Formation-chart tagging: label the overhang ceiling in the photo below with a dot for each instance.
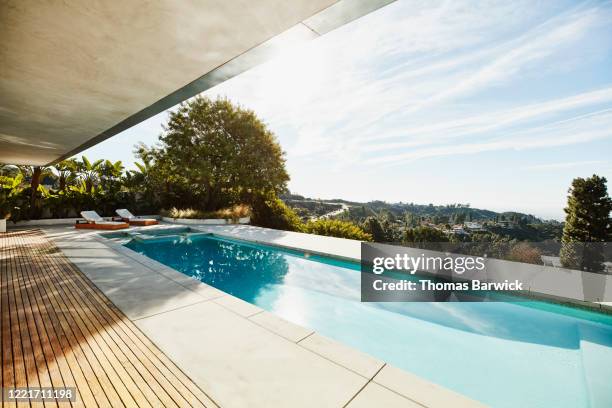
(75, 73)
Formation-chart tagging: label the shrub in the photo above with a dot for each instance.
(523, 252)
(232, 213)
(271, 212)
(337, 228)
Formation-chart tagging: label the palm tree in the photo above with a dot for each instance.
(35, 174)
(142, 183)
(66, 172)
(144, 172)
(89, 172)
(8, 170)
(110, 173)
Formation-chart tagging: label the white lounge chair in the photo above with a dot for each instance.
(94, 221)
(127, 216)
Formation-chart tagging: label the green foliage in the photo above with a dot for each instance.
(310, 208)
(89, 172)
(66, 173)
(588, 225)
(372, 226)
(424, 234)
(337, 228)
(232, 213)
(271, 212)
(213, 154)
(143, 186)
(10, 187)
(65, 189)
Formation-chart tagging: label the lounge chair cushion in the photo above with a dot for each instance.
(91, 216)
(125, 214)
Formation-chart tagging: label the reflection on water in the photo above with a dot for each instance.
(255, 273)
(550, 352)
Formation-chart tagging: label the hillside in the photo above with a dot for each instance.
(441, 213)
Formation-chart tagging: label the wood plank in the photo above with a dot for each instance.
(123, 350)
(116, 367)
(8, 375)
(82, 358)
(60, 365)
(152, 358)
(20, 379)
(58, 330)
(94, 373)
(32, 347)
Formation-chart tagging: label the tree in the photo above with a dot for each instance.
(213, 154)
(460, 218)
(35, 174)
(372, 226)
(143, 185)
(424, 235)
(66, 173)
(412, 220)
(89, 172)
(587, 224)
(110, 174)
(426, 238)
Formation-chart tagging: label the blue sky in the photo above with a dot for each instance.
(496, 104)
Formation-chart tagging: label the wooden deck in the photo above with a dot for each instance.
(59, 330)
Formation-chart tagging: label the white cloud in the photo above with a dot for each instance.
(402, 72)
(581, 129)
(488, 121)
(562, 165)
(554, 35)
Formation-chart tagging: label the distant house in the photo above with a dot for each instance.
(458, 230)
(474, 226)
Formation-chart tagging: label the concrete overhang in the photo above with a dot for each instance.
(75, 73)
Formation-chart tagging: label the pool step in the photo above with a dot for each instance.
(152, 238)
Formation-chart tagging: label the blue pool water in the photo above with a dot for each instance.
(525, 354)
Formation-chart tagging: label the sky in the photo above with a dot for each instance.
(496, 104)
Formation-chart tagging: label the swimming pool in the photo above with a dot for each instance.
(527, 354)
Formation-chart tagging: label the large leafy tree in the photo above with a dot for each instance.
(588, 226)
(213, 153)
